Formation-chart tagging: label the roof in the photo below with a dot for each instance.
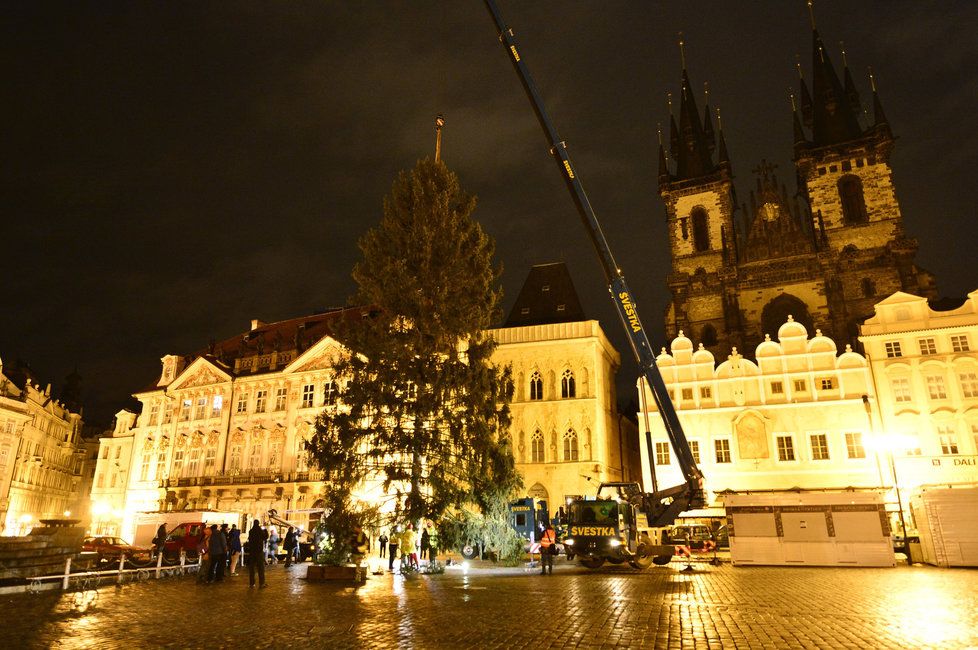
(548, 296)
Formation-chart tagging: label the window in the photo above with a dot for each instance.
(893, 349)
(281, 395)
(160, 465)
(256, 451)
(308, 392)
(687, 393)
(114, 479)
(969, 384)
(701, 230)
(706, 393)
(854, 445)
(201, 409)
(329, 393)
(185, 410)
(901, 389)
(154, 413)
(820, 446)
(105, 452)
(570, 445)
(567, 387)
(851, 195)
(974, 435)
(144, 465)
(536, 386)
(100, 481)
(949, 439)
(536, 447)
(234, 458)
(118, 451)
(177, 463)
(216, 405)
(210, 460)
(721, 448)
(662, 453)
(242, 406)
(800, 386)
(786, 448)
(927, 346)
(935, 387)
(826, 383)
(959, 343)
(260, 398)
(193, 462)
(168, 413)
(694, 448)
(275, 454)
(777, 387)
(868, 287)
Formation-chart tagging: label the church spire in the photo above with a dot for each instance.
(879, 117)
(663, 165)
(722, 157)
(799, 134)
(833, 119)
(850, 88)
(693, 153)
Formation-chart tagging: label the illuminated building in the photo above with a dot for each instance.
(41, 452)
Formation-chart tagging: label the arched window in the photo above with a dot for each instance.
(567, 387)
(536, 386)
(869, 288)
(701, 230)
(254, 461)
(570, 445)
(708, 335)
(536, 447)
(775, 314)
(853, 203)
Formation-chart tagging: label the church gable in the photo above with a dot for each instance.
(325, 354)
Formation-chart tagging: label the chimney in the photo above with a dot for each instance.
(255, 324)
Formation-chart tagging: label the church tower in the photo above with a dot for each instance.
(844, 173)
(699, 198)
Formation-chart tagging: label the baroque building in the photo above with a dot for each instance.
(824, 253)
(42, 453)
(223, 429)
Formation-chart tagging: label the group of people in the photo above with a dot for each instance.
(408, 542)
(220, 550)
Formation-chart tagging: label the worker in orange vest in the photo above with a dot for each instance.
(548, 549)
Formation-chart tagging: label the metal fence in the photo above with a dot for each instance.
(87, 580)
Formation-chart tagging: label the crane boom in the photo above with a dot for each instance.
(664, 505)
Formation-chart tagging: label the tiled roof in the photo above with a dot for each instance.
(548, 296)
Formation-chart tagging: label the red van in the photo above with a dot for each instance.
(187, 537)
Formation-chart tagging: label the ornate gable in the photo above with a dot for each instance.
(322, 356)
(200, 373)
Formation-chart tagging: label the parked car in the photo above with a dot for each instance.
(186, 537)
(108, 550)
(695, 536)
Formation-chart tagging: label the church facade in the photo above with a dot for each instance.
(823, 254)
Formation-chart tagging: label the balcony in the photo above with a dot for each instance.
(244, 477)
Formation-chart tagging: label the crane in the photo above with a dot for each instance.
(657, 508)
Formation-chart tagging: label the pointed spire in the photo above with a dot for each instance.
(850, 88)
(673, 131)
(807, 112)
(722, 157)
(708, 119)
(693, 154)
(879, 117)
(834, 121)
(799, 132)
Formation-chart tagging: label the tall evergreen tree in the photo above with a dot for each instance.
(424, 408)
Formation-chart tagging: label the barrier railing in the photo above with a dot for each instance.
(86, 580)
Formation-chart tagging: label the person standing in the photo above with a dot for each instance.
(392, 549)
(203, 552)
(382, 541)
(548, 549)
(409, 545)
(273, 540)
(217, 550)
(289, 546)
(432, 544)
(159, 542)
(256, 554)
(234, 546)
(425, 542)
(359, 544)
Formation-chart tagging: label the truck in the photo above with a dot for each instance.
(634, 520)
(185, 529)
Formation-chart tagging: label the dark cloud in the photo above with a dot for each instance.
(172, 170)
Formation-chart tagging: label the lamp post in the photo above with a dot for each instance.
(880, 444)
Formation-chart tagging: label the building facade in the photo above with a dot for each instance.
(792, 418)
(925, 365)
(41, 453)
(824, 253)
(223, 429)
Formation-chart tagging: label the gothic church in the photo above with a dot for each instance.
(823, 255)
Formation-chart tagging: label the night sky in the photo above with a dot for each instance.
(172, 170)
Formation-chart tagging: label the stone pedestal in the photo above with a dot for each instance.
(346, 573)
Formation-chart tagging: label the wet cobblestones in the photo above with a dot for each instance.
(716, 607)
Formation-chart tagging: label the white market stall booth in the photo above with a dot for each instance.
(809, 528)
(947, 520)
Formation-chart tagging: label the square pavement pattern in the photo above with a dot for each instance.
(715, 607)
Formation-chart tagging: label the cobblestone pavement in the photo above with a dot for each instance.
(715, 607)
